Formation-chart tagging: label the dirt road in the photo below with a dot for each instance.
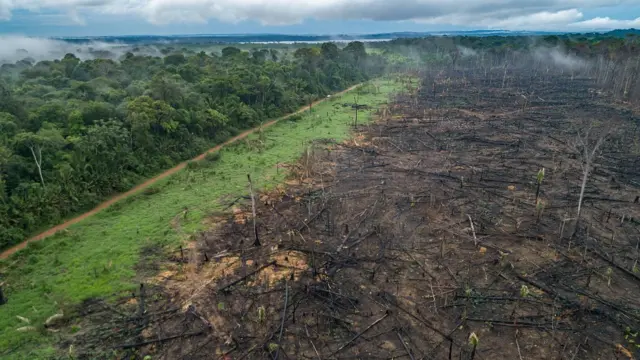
(151, 181)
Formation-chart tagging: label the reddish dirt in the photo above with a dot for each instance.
(5, 254)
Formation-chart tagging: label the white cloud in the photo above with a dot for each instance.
(543, 20)
(540, 20)
(606, 23)
(507, 14)
(5, 9)
(75, 17)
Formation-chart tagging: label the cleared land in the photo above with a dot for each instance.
(421, 230)
(102, 255)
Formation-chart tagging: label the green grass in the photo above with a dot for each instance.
(97, 257)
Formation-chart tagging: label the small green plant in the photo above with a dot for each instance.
(631, 337)
(220, 306)
(273, 347)
(503, 258)
(473, 341)
(262, 314)
(524, 292)
(468, 291)
(539, 208)
(609, 274)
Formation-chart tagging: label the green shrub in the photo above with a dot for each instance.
(193, 165)
(213, 156)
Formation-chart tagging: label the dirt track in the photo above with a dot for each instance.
(5, 254)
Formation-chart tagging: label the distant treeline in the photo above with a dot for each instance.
(268, 38)
(74, 132)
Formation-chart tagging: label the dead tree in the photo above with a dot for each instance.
(256, 241)
(588, 146)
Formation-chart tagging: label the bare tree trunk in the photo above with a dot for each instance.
(38, 161)
(585, 176)
(3, 300)
(588, 156)
(256, 242)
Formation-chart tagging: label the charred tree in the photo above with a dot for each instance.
(256, 241)
(588, 147)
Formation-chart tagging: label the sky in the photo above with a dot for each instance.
(167, 17)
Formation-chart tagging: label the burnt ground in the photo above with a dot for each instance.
(420, 230)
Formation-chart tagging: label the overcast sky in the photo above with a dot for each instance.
(131, 17)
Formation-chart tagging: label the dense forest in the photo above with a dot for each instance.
(74, 132)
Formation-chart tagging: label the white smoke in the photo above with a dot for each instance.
(466, 52)
(559, 58)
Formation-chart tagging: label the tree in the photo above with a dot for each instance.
(165, 87)
(260, 56)
(330, 51)
(588, 143)
(175, 59)
(103, 154)
(230, 51)
(264, 84)
(48, 139)
(144, 114)
(5, 157)
(357, 50)
(307, 54)
(8, 127)
(68, 64)
(274, 54)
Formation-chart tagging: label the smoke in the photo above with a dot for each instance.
(16, 48)
(559, 58)
(466, 52)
